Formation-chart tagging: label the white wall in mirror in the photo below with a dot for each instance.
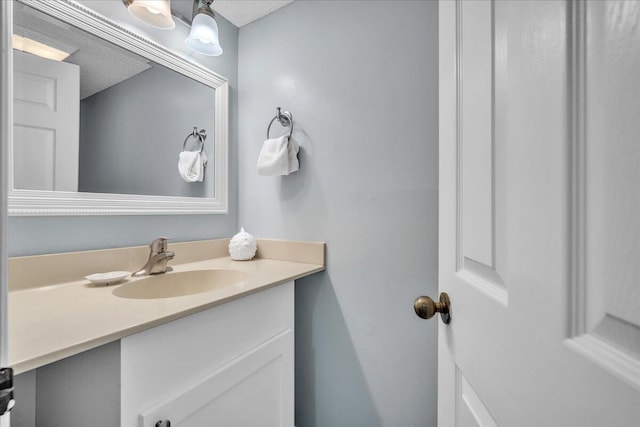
(24, 202)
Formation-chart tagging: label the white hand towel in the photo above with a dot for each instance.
(279, 156)
(191, 165)
(293, 150)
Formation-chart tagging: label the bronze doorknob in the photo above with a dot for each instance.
(425, 307)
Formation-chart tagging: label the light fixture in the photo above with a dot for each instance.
(156, 13)
(37, 48)
(203, 37)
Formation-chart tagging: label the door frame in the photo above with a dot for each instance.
(6, 134)
(447, 177)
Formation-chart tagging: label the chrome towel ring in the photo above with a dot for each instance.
(285, 119)
(199, 135)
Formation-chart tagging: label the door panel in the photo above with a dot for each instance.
(34, 158)
(476, 101)
(606, 305)
(475, 142)
(537, 252)
(471, 411)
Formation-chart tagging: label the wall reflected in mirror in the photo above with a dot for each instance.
(90, 116)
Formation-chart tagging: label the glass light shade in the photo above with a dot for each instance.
(156, 13)
(204, 35)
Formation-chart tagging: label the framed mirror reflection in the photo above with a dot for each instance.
(108, 122)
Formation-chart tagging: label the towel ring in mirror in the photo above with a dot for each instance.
(199, 135)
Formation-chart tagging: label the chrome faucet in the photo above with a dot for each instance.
(158, 258)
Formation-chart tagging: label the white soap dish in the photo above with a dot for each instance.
(108, 278)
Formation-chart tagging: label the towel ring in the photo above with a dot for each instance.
(285, 119)
(200, 135)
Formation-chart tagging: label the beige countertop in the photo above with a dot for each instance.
(52, 316)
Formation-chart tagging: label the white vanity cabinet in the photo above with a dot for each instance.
(231, 365)
(97, 357)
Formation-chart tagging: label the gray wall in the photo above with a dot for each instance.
(132, 132)
(24, 413)
(88, 382)
(361, 81)
(39, 235)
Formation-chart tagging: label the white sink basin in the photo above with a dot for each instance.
(177, 284)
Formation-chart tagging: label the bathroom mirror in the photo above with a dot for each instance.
(101, 115)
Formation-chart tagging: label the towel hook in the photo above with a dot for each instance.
(200, 135)
(285, 119)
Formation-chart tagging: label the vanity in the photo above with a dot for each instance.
(214, 338)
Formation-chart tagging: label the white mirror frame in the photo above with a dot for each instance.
(59, 203)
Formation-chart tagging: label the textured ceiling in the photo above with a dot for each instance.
(238, 12)
(102, 64)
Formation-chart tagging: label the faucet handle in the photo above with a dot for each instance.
(159, 244)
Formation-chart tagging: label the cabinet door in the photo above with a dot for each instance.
(231, 365)
(247, 391)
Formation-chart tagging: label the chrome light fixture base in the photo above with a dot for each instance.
(205, 8)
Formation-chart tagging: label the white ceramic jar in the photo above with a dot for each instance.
(242, 246)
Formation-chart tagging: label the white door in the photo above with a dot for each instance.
(540, 213)
(46, 123)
